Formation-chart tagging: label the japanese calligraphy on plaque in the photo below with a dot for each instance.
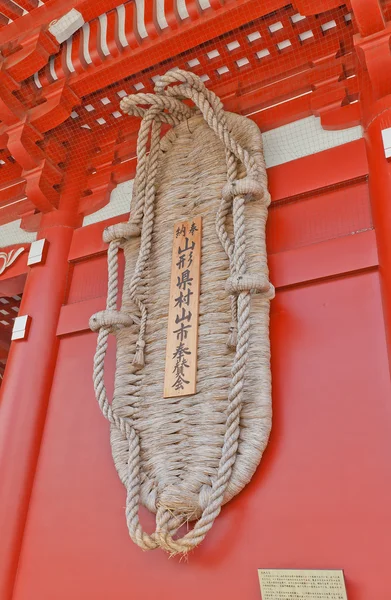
(182, 334)
(293, 584)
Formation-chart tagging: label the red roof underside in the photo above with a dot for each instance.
(260, 57)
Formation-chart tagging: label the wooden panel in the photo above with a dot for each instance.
(182, 332)
(88, 279)
(332, 213)
(332, 258)
(306, 506)
(331, 167)
(327, 259)
(75, 317)
(88, 240)
(330, 403)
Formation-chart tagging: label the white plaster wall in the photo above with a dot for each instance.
(10, 233)
(119, 204)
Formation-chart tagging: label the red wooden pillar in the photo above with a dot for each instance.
(30, 368)
(380, 192)
(373, 49)
(25, 393)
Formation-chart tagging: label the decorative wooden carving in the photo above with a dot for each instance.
(8, 258)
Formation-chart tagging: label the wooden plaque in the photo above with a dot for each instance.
(295, 584)
(182, 334)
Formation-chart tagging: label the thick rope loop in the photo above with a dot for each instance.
(239, 285)
(121, 232)
(258, 284)
(213, 113)
(246, 187)
(112, 319)
(133, 105)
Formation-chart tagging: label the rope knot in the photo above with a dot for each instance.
(247, 187)
(177, 499)
(111, 319)
(120, 231)
(258, 284)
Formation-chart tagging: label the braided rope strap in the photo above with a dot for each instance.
(166, 107)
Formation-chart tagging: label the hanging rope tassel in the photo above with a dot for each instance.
(139, 359)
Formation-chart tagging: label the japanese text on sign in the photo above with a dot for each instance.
(182, 334)
(286, 584)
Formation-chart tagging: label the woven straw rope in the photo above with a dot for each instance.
(183, 458)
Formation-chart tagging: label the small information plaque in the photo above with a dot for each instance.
(294, 584)
(182, 334)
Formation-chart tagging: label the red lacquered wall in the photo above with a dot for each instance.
(321, 497)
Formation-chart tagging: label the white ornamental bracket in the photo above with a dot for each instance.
(21, 327)
(38, 252)
(67, 25)
(386, 135)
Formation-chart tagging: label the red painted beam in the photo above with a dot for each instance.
(90, 10)
(3, 351)
(10, 10)
(11, 191)
(8, 173)
(331, 258)
(5, 337)
(28, 5)
(15, 210)
(315, 7)
(305, 175)
(369, 16)
(42, 16)
(374, 53)
(15, 284)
